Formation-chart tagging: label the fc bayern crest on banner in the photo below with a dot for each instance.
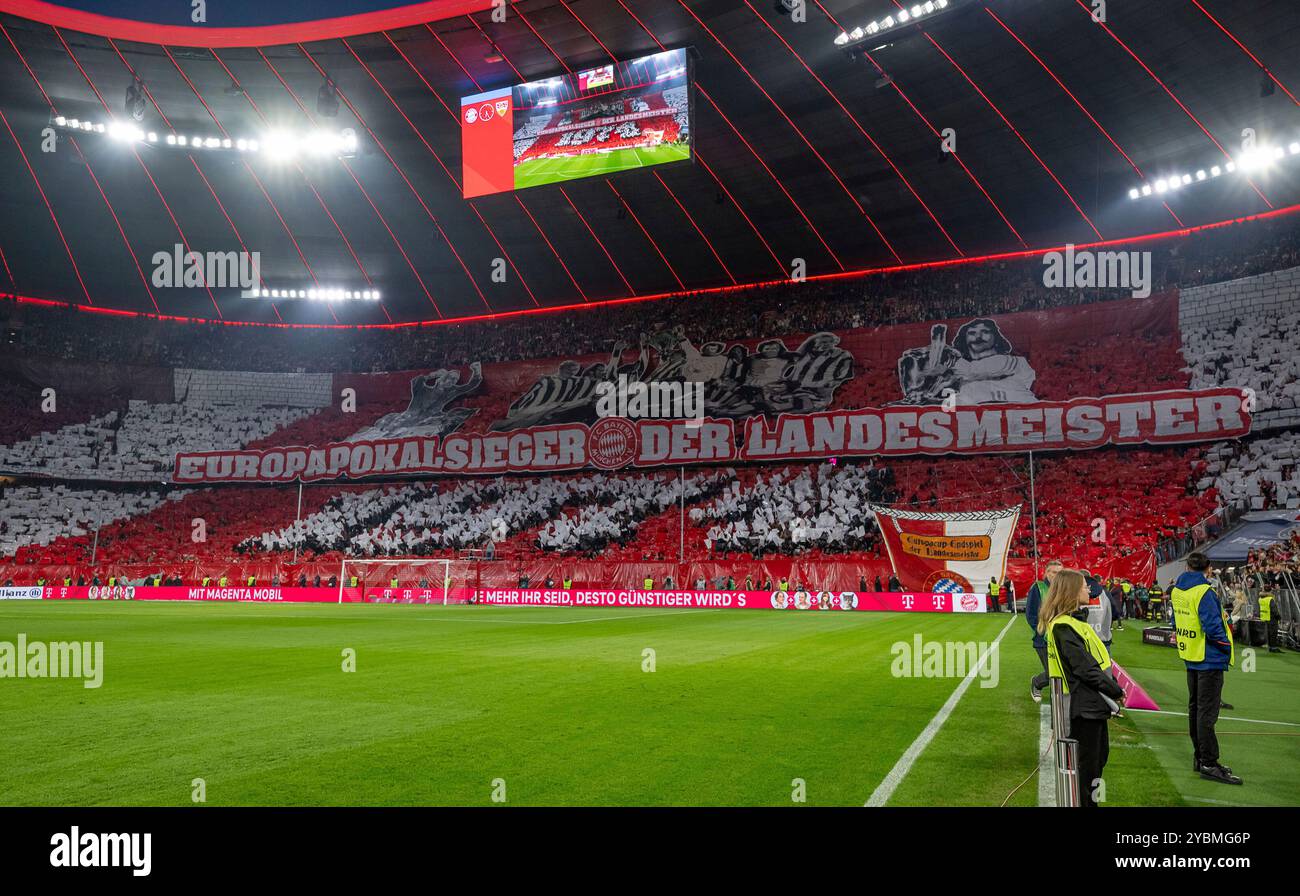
(612, 443)
(945, 581)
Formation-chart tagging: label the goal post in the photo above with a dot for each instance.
(400, 579)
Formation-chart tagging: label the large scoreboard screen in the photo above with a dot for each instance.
(618, 117)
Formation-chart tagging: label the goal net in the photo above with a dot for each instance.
(402, 580)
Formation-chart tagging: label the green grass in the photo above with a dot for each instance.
(252, 699)
(537, 172)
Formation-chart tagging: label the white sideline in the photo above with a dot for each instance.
(886, 789)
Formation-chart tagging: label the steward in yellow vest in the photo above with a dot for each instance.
(1206, 648)
(648, 584)
(1091, 641)
(1266, 608)
(1077, 657)
(1204, 641)
(1269, 618)
(568, 584)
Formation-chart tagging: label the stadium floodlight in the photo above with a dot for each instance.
(314, 294)
(1134, 193)
(1257, 159)
(280, 144)
(907, 15)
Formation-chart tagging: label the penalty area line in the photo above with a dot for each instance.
(903, 766)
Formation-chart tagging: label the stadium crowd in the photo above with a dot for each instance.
(783, 309)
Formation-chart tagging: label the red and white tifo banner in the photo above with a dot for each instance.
(612, 443)
(731, 600)
(949, 552)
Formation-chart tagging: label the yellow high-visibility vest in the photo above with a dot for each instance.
(222, 581)
(784, 586)
(353, 581)
(994, 587)
(1266, 608)
(1090, 640)
(1186, 603)
(568, 583)
(649, 583)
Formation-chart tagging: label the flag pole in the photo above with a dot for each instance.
(1033, 512)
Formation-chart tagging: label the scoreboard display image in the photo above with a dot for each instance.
(619, 117)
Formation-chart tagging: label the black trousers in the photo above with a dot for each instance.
(1272, 633)
(1204, 694)
(1041, 680)
(1093, 736)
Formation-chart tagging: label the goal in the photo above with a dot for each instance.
(402, 580)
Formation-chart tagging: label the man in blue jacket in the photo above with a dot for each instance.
(1205, 646)
(1033, 602)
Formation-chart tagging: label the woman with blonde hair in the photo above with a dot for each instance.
(1077, 656)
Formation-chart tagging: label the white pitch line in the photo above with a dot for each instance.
(882, 793)
(1046, 758)
(1206, 799)
(1168, 712)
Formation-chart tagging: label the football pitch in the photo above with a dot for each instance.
(549, 706)
(537, 172)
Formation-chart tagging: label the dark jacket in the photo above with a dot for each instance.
(1086, 679)
(1211, 613)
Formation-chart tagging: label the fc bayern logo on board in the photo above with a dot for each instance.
(611, 443)
(945, 581)
(471, 115)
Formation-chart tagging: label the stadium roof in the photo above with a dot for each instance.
(804, 152)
